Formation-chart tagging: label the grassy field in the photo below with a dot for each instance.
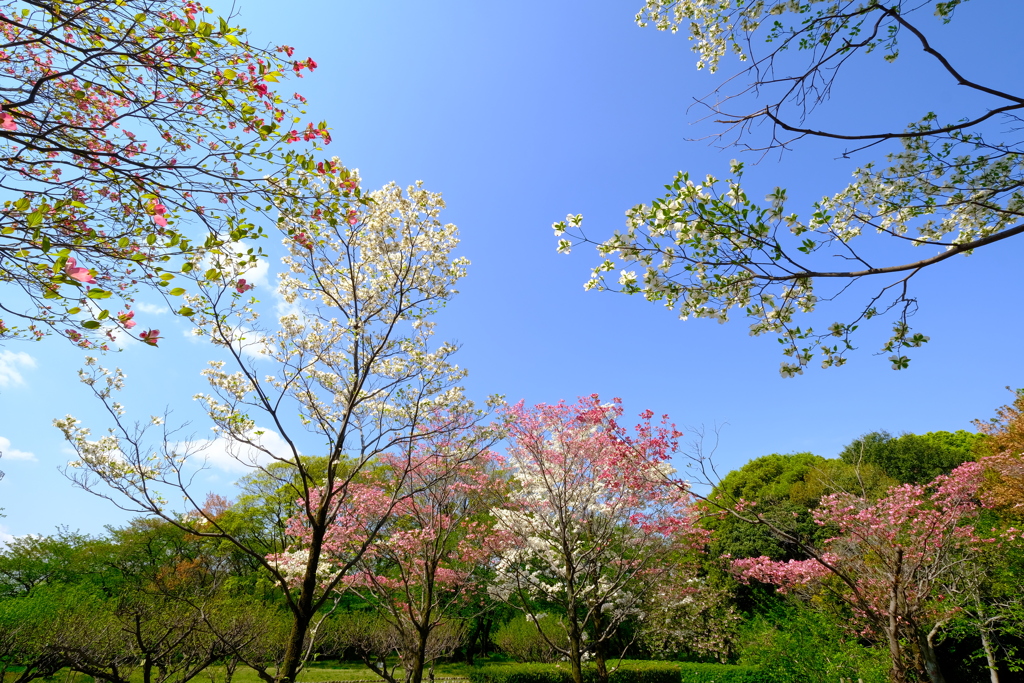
(317, 672)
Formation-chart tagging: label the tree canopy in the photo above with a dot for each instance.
(912, 458)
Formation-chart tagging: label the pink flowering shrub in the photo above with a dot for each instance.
(895, 562)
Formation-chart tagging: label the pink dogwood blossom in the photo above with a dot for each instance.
(75, 272)
(157, 210)
(892, 561)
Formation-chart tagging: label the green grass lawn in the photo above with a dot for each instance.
(316, 672)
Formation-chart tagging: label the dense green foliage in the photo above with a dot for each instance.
(793, 643)
(912, 458)
(627, 672)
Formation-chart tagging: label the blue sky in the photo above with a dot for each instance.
(521, 113)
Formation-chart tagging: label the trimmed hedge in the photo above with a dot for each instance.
(639, 672)
(627, 672)
(721, 673)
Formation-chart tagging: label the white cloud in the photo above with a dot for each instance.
(5, 536)
(230, 456)
(13, 453)
(257, 275)
(11, 364)
(150, 309)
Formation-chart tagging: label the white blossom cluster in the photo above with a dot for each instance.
(705, 248)
(352, 358)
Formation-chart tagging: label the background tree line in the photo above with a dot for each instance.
(462, 569)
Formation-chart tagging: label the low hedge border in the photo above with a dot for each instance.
(627, 672)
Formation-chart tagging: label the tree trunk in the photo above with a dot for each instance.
(600, 656)
(928, 659)
(990, 655)
(296, 639)
(898, 672)
(575, 652)
(303, 610)
(471, 641)
(415, 675)
(485, 637)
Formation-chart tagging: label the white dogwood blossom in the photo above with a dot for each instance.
(350, 374)
(706, 249)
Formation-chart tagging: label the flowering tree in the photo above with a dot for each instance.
(896, 563)
(423, 564)
(350, 372)
(706, 247)
(684, 614)
(1004, 446)
(122, 123)
(595, 516)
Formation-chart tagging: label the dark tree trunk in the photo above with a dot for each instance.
(303, 610)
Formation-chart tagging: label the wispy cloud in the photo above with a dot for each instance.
(9, 453)
(11, 366)
(230, 456)
(150, 309)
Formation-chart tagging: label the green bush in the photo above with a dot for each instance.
(627, 672)
(721, 673)
(640, 672)
(792, 643)
(521, 640)
(522, 673)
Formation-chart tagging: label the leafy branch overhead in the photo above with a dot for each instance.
(131, 132)
(707, 248)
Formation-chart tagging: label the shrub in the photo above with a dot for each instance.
(723, 673)
(521, 640)
(521, 673)
(627, 672)
(796, 644)
(640, 672)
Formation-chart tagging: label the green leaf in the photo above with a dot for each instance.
(185, 310)
(98, 294)
(90, 324)
(177, 291)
